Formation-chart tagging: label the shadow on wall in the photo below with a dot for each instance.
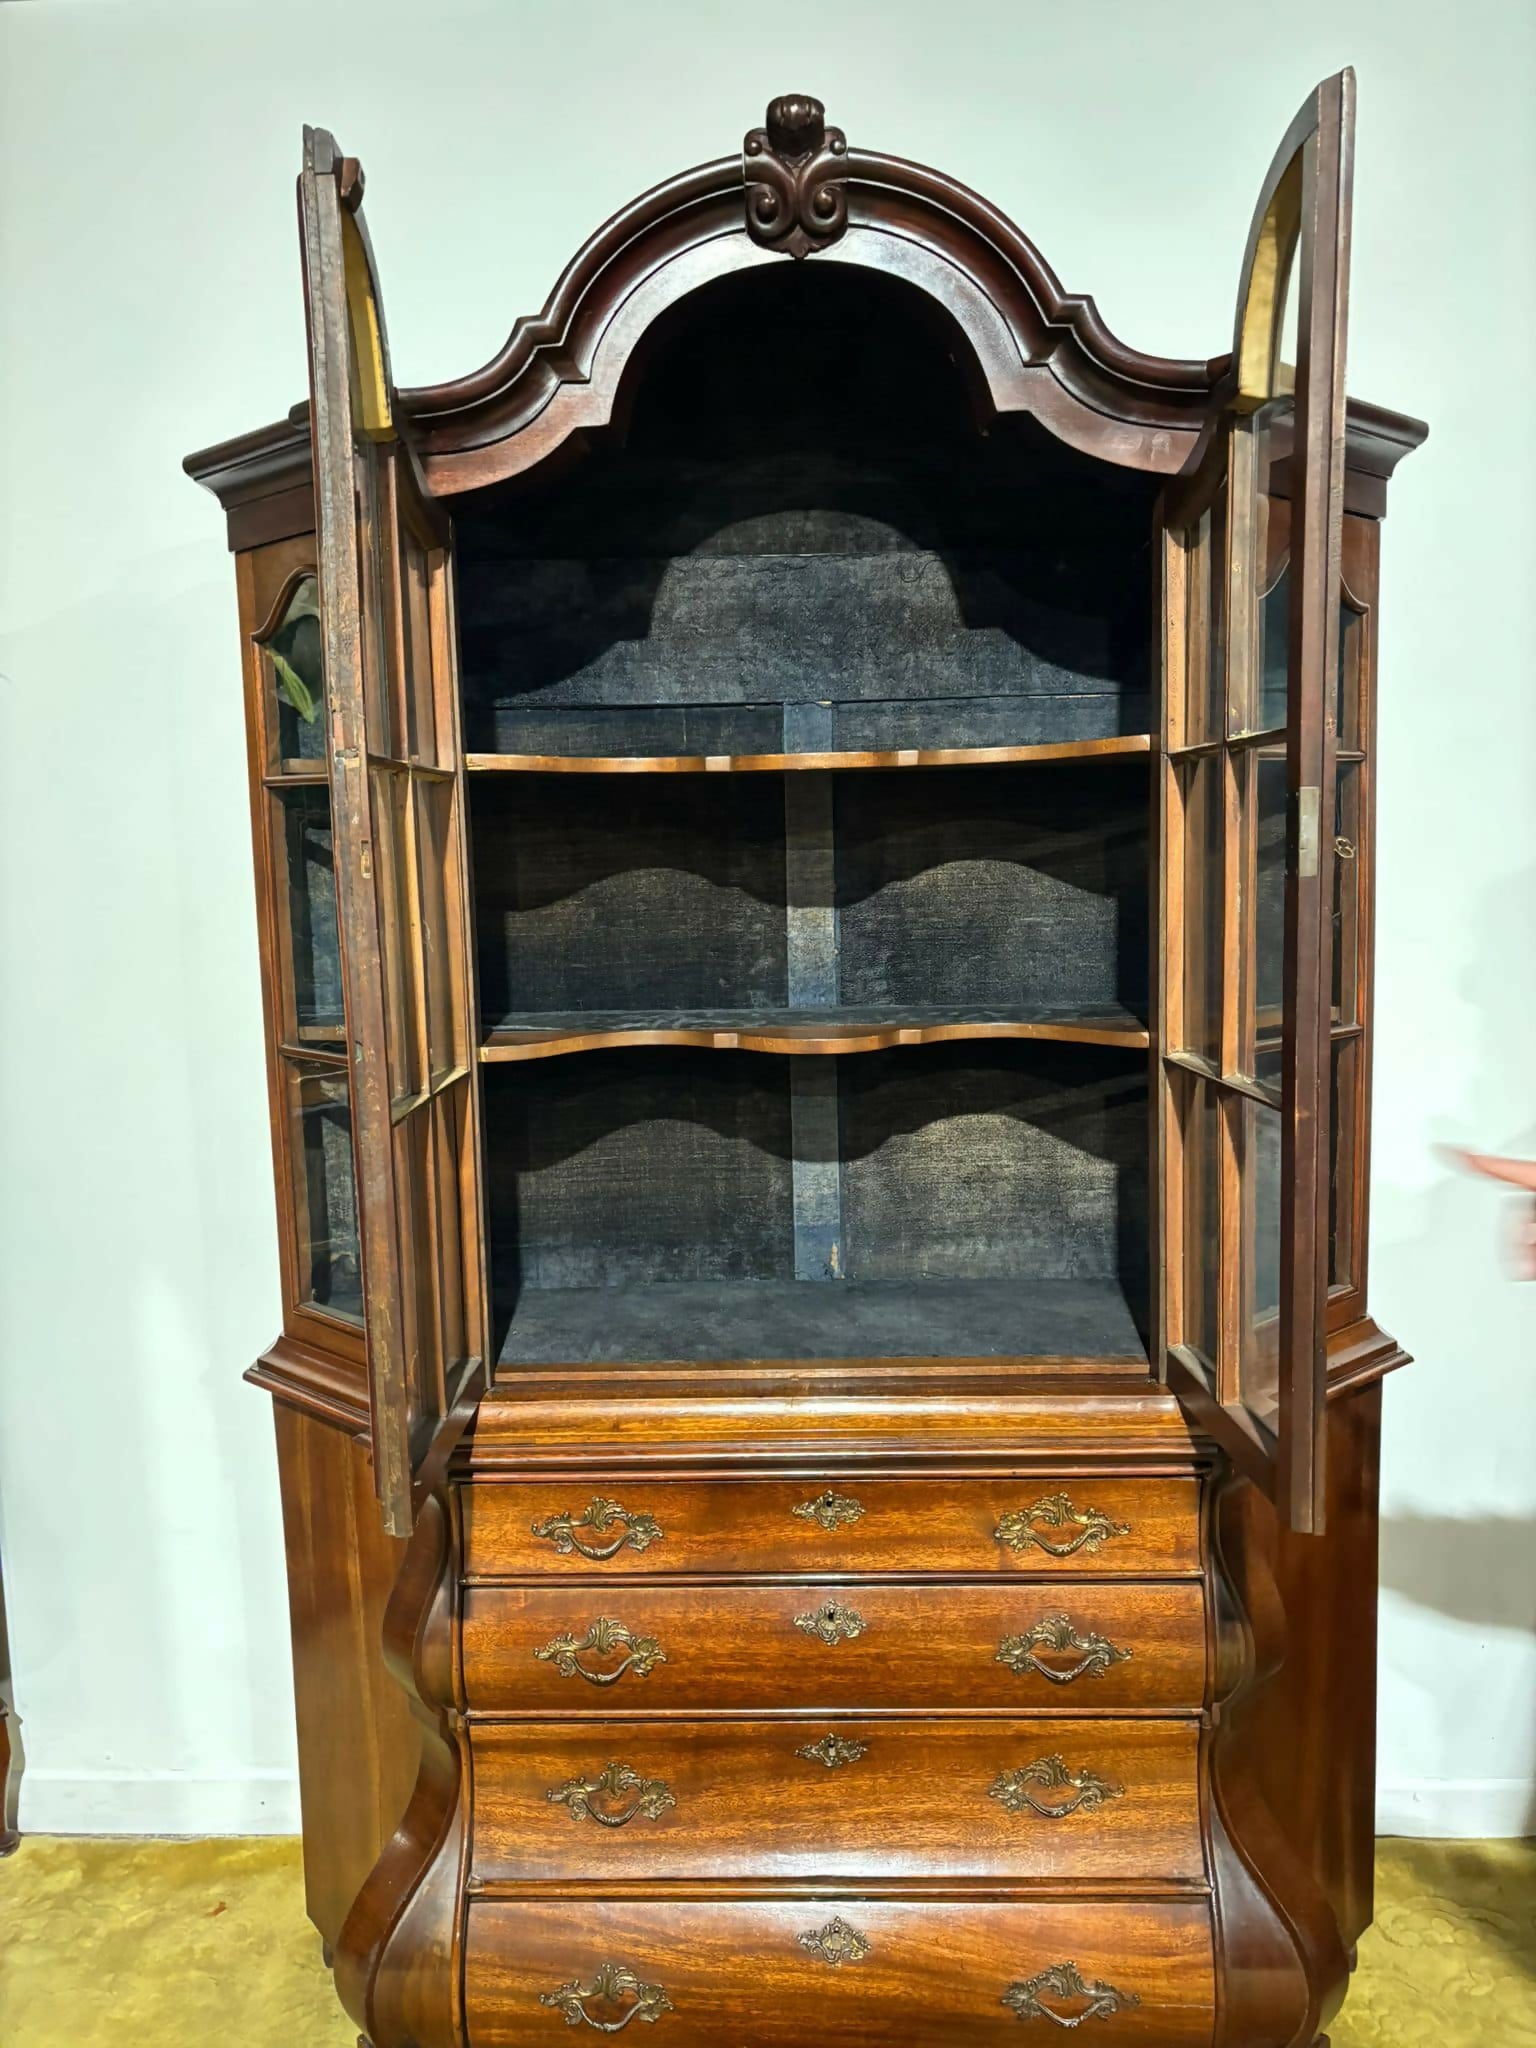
(1480, 1570)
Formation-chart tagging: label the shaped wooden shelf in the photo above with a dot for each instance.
(541, 1035)
(1119, 746)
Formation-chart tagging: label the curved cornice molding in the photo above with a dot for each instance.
(1036, 347)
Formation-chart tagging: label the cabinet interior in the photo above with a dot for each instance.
(801, 549)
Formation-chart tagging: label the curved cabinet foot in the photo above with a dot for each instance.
(397, 1956)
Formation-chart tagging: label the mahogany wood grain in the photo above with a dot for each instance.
(1067, 1418)
(840, 1799)
(751, 1646)
(358, 1744)
(934, 1975)
(1312, 1732)
(937, 1525)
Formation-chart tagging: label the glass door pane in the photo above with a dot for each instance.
(1261, 939)
(324, 1189)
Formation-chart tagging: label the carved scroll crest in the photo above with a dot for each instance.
(797, 178)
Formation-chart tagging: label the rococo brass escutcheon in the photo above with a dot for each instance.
(604, 1636)
(1066, 1984)
(639, 1532)
(1020, 1530)
(836, 1943)
(834, 1751)
(652, 1796)
(1094, 1653)
(611, 1982)
(829, 1511)
(832, 1622)
(1088, 1791)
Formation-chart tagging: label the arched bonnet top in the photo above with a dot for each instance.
(798, 192)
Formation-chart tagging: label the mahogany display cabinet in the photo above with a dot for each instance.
(813, 828)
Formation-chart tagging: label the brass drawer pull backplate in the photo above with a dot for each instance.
(1095, 1653)
(604, 1636)
(611, 1982)
(836, 1943)
(834, 1751)
(1020, 1530)
(1013, 1789)
(639, 1532)
(832, 1622)
(652, 1796)
(1066, 1985)
(829, 1511)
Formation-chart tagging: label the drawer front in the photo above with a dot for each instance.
(1038, 1800)
(1092, 1527)
(808, 1973)
(570, 1650)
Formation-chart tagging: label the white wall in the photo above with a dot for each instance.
(149, 281)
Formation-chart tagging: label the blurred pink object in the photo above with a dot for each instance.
(1514, 1173)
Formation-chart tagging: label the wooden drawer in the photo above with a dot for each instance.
(521, 1529)
(1038, 1800)
(567, 1649)
(813, 1972)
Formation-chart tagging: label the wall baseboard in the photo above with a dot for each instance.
(159, 1803)
(1466, 1809)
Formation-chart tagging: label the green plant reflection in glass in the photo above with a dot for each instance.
(298, 675)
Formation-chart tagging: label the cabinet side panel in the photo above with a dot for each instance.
(359, 1747)
(1314, 1724)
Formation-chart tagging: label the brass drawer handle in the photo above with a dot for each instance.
(1018, 1530)
(1066, 1983)
(834, 1751)
(836, 1943)
(829, 1511)
(1089, 1791)
(1095, 1653)
(605, 1635)
(833, 1623)
(611, 1982)
(638, 1531)
(652, 1796)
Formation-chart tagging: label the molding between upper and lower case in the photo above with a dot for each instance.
(323, 1387)
(554, 1421)
(1360, 1355)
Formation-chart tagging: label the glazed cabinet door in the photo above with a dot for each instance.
(1252, 579)
(385, 602)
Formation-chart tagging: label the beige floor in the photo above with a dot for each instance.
(120, 1944)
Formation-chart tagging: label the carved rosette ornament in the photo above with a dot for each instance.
(796, 173)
